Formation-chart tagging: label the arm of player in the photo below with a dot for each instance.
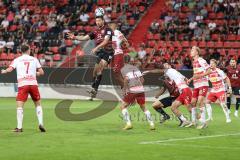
(8, 70)
(79, 38)
(227, 80)
(160, 92)
(202, 75)
(101, 45)
(40, 72)
(161, 71)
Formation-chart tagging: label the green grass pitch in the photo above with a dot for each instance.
(103, 138)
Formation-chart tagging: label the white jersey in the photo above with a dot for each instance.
(177, 77)
(26, 67)
(217, 78)
(117, 39)
(133, 75)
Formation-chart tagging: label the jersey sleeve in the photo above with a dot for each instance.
(222, 74)
(13, 64)
(91, 35)
(108, 33)
(204, 63)
(38, 63)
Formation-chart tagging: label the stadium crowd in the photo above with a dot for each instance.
(213, 25)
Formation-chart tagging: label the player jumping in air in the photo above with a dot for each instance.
(185, 96)
(118, 40)
(27, 68)
(201, 85)
(104, 51)
(218, 92)
(134, 91)
(159, 104)
(233, 72)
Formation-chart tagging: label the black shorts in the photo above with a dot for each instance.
(236, 90)
(167, 101)
(105, 55)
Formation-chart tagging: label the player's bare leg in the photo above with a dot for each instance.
(39, 113)
(193, 112)
(202, 119)
(20, 105)
(119, 79)
(180, 116)
(126, 116)
(148, 116)
(225, 110)
(158, 106)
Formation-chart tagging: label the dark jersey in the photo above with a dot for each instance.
(234, 76)
(171, 87)
(99, 34)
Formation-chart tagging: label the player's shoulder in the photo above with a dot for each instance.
(200, 59)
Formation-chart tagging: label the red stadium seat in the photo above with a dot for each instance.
(220, 15)
(202, 44)
(149, 36)
(185, 44)
(100, 2)
(215, 37)
(149, 50)
(227, 44)
(54, 49)
(132, 22)
(79, 28)
(238, 38)
(177, 44)
(141, 8)
(194, 43)
(223, 52)
(235, 44)
(212, 15)
(3, 56)
(232, 52)
(231, 37)
(219, 44)
(156, 36)
(68, 42)
(210, 44)
(151, 44)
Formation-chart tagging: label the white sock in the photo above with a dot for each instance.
(194, 112)
(149, 117)
(209, 110)
(39, 113)
(225, 110)
(202, 114)
(182, 118)
(19, 117)
(126, 116)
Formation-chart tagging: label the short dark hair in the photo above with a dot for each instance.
(25, 48)
(127, 59)
(214, 60)
(99, 17)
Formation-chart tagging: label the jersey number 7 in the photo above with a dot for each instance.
(27, 66)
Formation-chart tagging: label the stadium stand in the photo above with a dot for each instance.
(213, 25)
(43, 24)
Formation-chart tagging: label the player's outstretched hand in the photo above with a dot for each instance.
(145, 73)
(94, 50)
(70, 35)
(230, 90)
(3, 71)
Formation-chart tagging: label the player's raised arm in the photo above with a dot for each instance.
(161, 71)
(40, 72)
(79, 38)
(160, 92)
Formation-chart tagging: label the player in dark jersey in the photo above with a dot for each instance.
(158, 105)
(233, 72)
(103, 50)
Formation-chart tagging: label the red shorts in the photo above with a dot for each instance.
(221, 96)
(130, 98)
(185, 97)
(117, 63)
(201, 91)
(25, 90)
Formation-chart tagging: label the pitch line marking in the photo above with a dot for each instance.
(189, 138)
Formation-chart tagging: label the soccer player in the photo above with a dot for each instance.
(201, 85)
(118, 39)
(158, 105)
(233, 72)
(27, 68)
(185, 96)
(218, 92)
(104, 50)
(134, 91)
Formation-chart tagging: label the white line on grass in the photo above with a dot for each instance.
(189, 138)
(199, 146)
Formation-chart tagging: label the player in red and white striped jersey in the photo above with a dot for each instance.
(218, 92)
(27, 68)
(118, 39)
(134, 91)
(200, 66)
